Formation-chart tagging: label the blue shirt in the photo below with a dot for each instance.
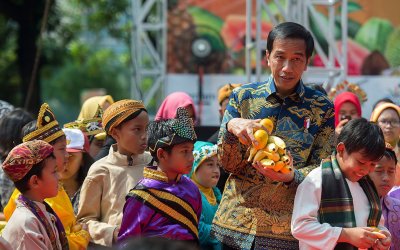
(254, 207)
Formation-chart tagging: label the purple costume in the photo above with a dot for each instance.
(391, 213)
(158, 208)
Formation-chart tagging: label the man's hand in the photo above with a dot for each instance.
(243, 129)
(276, 176)
(383, 244)
(361, 237)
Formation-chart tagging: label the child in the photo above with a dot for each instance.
(165, 203)
(46, 128)
(109, 179)
(34, 225)
(336, 205)
(384, 177)
(77, 167)
(205, 174)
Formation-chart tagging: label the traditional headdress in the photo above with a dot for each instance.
(226, 90)
(119, 111)
(77, 141)
(47, 128)
(89, 126)
(182, 127)
(345, 86)
(89, 107)
(202, 151)
(21, 158)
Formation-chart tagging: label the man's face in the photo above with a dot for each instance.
(287, 61)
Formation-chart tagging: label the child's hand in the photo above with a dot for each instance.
(383, 244)
(361, 237)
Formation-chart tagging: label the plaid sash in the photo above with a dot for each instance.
(336, 206)
(169, 205)
(42, 218)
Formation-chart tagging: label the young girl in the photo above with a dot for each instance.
(347, 106)
(109, 179)
(168, 108)
(77, 167)
(165, 203)
(46, 128)
(383, 177)
(205, 174)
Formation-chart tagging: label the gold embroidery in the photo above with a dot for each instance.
(170, 197)
(154, 174)
(167, 209)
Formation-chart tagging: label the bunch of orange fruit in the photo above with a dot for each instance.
(270, 150)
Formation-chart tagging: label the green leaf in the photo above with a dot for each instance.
(351, 7)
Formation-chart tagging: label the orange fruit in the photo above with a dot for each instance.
(261, 137)
(268, 124)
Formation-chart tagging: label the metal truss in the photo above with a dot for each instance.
(149, 41)
(300, 11)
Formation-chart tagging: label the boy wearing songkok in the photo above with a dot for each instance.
(34, 224)
(109, 179)
(337, 205)
(165, 203)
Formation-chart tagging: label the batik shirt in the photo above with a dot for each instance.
(254, 207)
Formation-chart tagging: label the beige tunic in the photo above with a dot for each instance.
(103, 193)
(25, 231)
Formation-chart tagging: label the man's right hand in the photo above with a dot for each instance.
(243, 129)
(361, 237)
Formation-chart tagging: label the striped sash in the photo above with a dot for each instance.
(170, 206)
(336, 206)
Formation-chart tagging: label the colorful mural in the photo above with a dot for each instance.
(373, 30)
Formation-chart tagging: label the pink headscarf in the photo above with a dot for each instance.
(171, 103)
(342, 98)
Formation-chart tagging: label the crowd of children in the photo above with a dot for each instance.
(113, 179)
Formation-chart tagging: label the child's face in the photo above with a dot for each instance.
(180, 160)
(72, 167)
(383, 175)
(208, 172)
(60, 152)
(95, 147)
(131, 136)
(355, 166)
(47, 184)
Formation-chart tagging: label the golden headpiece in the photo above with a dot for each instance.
(119, 111)
(345, 86)
(226, 90)
(47, 128)
(91, 126)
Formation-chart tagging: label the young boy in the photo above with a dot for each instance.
(109, 179)
(384, 176)
(46, 128)
(165, 203)
(205, 174)
(336, 205)
(34, 225)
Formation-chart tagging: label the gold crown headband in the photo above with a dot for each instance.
(345, 86)
(47, 128)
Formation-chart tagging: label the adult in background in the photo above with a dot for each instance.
(347, 107)
(172, 102)
(223, 98)
(256, 207)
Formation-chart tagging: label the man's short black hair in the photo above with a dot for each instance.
(290, 30)
(360, 135)
(23, 184)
